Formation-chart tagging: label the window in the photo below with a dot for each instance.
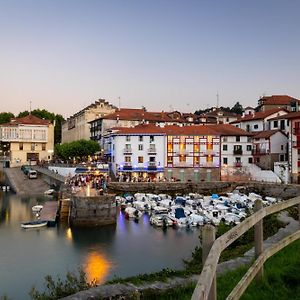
(249, 147)
(225, 148)
(127, 158)
(20, 146)
(43, 147)
(170, 159)
(151, 138)
(250, 160)
(140, 159)
(275, 124)
(281, 157)
(237, 138)
(152, 158)
(140, 138)
(224, 138)
(140, 147)
(182, 158)
(32, 146)
(255, 126)
(127, 138)
(281, 147)
(249, 139)
(225, 160)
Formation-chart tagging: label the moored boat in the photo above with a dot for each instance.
(37, 208)
(34, 224)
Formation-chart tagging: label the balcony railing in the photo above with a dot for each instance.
(127, 151)
(152, 165)
(260, 151)
(237, 151)
(238, 164)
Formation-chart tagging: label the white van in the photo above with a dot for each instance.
(32, 174)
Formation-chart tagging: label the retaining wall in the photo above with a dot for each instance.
(93, 211)
(266, 189)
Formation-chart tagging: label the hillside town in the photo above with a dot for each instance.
(139, 145)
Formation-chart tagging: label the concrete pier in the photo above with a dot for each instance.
(93, 211)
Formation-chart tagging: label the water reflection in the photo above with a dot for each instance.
(96, 266)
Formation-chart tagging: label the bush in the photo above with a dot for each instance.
(62, 288)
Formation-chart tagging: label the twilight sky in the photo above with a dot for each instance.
(64, 54)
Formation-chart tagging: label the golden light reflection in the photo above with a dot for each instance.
(69, 234)
(96, 267)
(88, 191)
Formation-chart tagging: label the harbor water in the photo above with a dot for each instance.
(129, 248)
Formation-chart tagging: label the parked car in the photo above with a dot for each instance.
(25, 169)
(32, 174)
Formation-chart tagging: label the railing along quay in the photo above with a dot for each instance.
(212, 249)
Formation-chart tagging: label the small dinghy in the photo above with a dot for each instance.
(37, 208)
(49, 192)
(34, 224)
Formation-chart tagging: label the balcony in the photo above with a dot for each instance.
(152, 165)
(152, 151)
(238, 151)
(127, 166)
(183, 165)
(127, 151)
(238, 164)
(260, 151)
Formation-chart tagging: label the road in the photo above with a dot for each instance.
(21, 184)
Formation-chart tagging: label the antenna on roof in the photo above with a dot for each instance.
(119, 103)
(30, 107)
(217, 99)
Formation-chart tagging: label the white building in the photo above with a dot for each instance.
(27, 140)
(259, 120)
(180, 152)
(269, 146)
(138, 152)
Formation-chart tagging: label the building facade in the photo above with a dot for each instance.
(27, 140)
(77, 127)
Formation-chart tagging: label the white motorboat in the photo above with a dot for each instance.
(37, 208)
(49, 192)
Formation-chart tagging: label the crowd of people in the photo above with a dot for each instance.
(129, 178)
(82, 181)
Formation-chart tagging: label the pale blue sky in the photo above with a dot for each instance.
(64, 54)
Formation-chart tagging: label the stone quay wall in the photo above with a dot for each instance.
(282, 191)
(93, 211)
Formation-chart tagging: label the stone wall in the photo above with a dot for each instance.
(93, 211)
(268, 189)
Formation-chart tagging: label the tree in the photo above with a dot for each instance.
(79, 149)
(237, 108)
(5, 117)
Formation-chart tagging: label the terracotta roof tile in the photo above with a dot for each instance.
(259, 115)
(277, 100)
(27, 120)
(266, 133)
(220, 129)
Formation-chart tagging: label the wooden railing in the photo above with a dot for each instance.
(206, 285)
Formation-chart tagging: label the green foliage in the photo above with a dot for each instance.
(62, 288)
(162, 275)
(237, 108)
(5, 117)
(78, 149)
(54, 118)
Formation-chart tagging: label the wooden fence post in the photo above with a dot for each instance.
(208, 238)
(258, 237)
